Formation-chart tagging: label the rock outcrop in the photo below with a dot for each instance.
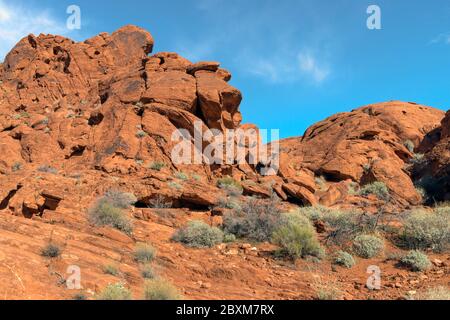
(372, 143)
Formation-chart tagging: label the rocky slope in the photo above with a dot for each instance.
(79, 119)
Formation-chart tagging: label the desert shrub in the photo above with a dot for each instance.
(141, 134)
(409, 145)
(48, 169)
(181, 175)
(197, 234)
(144, 253)
(229, 238)
(437, 293)
(147, 272)
(344, 226)
(175, 185)
(160, 203)
(116, 291)
(367, 246)
(379, 189)
(416, 261)
(51, 250)
(418, 159)
(321, 183)
(159, 289)
(228, 183)
(228, 203)
(79, 296)
(296, 237)
(17, 166)
(423, 230)
(344, 259)
(111, 270)
(157, 165)
(103, 213)
(120, 199)
(256, 219)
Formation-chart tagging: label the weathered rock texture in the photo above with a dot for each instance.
(366, 145)
(432, 172)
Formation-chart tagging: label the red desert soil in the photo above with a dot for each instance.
(79, 119)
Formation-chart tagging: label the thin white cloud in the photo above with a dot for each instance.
(441, 38)
(310, 66)
(17, 22)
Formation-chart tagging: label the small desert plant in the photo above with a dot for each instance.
(255, 219)
(197, 234)
(296, 237)
(141, 134)
(343, 225)
(79, 296)
(181, 175)
(157, 165)
(17, 166)
(416, 261)
(120, 199)
(144, 253)
(48, 169)
(326, 289)
(367, 246)
(344, 259)
(427, 230)
(418, 159)
(160, 203)
(111, 270)
(115, 291)
(229, 238)
(103, 213)
(147, 272)
(175, 185)
(228, 182)
(159, 289)
(51, 250)
(321, 182)
(409, 145)
(228, 203)
(437, 293)
(379, 189)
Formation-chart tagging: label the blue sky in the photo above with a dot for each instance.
(296, 61)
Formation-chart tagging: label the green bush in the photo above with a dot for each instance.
(103, 213)
(197, 234)
(121, 200)
(157, 165)
(182, 176)
(343, 226)
(297, 237)
(367, 246)
(344, 259)
(79, 296)
(409, 145)
(423, 230)
(111, 269)
(141, 134)
(51, 250)
(227, 182)
(416, 261)
(229, 238)
(159, 289)
(255, 219)
(17, 166)
(379, 189)
(147, 272)
(48, 169)
(144, 253)
(115, 291)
